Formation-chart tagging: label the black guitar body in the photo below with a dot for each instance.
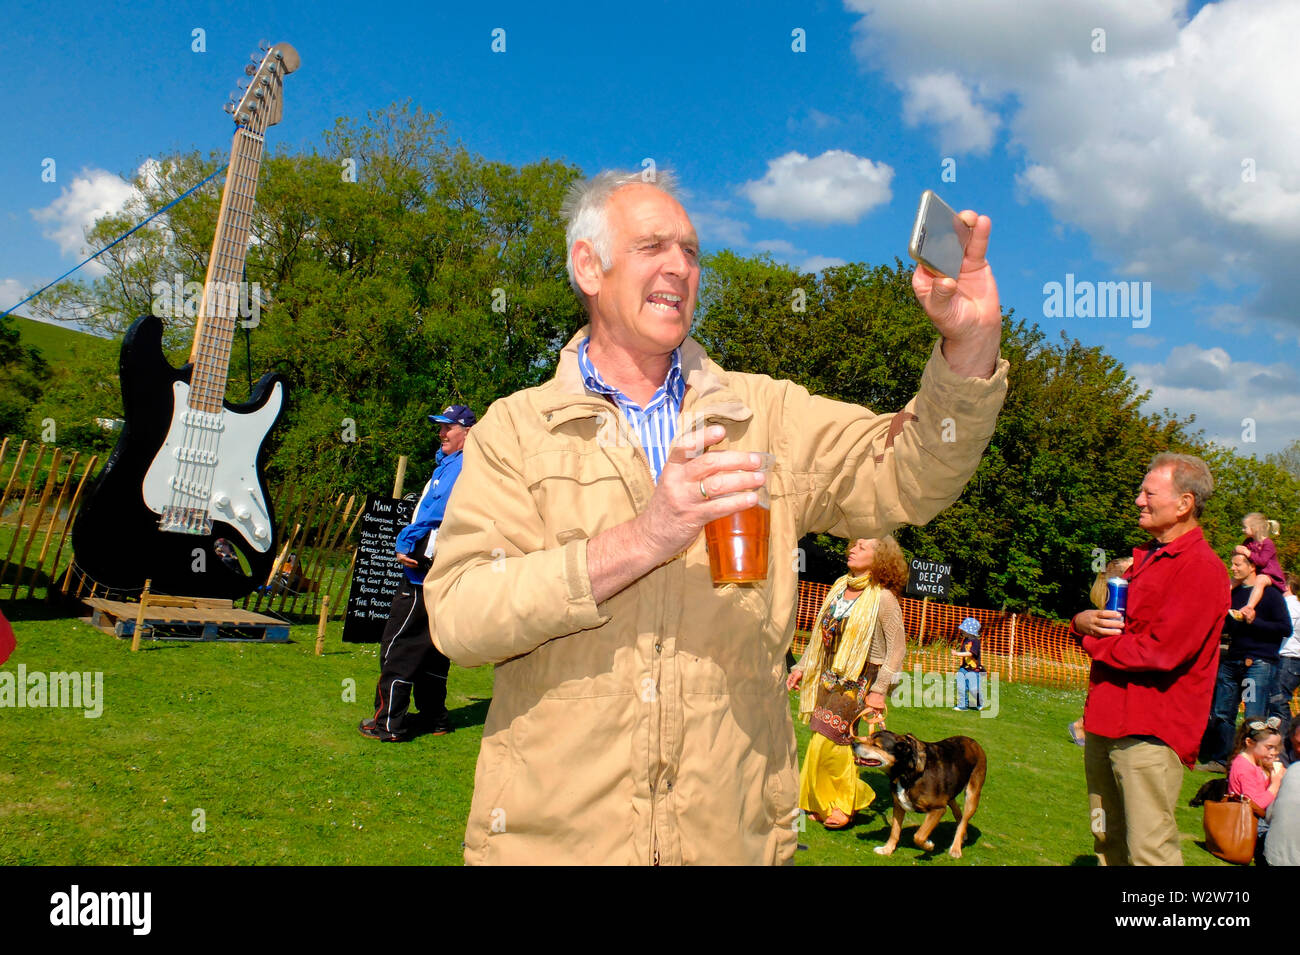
(116, 538)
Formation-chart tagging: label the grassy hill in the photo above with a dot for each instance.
(56, 343)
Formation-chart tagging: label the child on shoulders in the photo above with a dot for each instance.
(1260, 550)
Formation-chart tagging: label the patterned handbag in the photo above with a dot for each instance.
(839, 703)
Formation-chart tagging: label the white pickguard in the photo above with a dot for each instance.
(209, 462)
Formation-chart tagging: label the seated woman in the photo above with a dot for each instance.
(1256, 771)
(856, 646)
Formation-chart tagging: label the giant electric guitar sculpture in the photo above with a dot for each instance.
(186, 472)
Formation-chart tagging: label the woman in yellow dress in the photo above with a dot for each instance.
(857, 645)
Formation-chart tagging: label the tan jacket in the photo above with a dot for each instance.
(656, 727)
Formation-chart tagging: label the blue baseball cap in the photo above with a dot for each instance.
(456, 414)
(970, 625)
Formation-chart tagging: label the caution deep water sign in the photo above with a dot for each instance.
(928, 578)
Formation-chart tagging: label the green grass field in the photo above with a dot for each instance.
(238, 754)
(56, 343)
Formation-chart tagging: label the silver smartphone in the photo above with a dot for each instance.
(939, 237)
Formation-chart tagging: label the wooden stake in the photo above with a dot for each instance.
(308, 524)
(22, 514)
(72, 516)
(401, 476)
(344, 583)
(920, 636)
(46, 494)
(139, 618)
(275, 569)
(292, 540)
(1011, 653)
(320, 625)
(317, 564)
(49, 536)
(13, 475)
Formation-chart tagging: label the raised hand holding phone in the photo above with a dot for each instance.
(965, 309)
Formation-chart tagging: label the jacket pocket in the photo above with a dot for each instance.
(577, 493)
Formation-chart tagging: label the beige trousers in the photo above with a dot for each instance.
(1133, 786)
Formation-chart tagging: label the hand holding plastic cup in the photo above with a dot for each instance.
(738, 544)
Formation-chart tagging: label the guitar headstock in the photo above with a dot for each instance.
(261, 104)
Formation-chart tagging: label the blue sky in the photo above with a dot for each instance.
(1162, 150)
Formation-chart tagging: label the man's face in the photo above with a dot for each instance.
(644, 303)
(1241, 568)
(453, 437)
(1158, 502)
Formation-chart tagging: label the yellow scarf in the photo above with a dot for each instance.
(855, 640)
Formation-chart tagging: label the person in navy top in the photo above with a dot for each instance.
(410, 665)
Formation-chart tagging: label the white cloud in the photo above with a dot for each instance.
(12, 292)
(92, 194)
(1230, 398)
(1174, 149)
(716, 229)
(819, 262)
(778, 247)
(835, 187)
(945, 101)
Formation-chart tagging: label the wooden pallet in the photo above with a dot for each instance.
(197, 618)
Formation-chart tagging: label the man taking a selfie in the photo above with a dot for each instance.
(639, 712)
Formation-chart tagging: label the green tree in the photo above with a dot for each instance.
(1054, 492)
(1247, 484)
(23, 374)
(399, 273)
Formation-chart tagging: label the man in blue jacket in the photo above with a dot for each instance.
(409, 662)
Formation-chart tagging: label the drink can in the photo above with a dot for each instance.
(1117, 594)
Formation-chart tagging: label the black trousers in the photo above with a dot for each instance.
(409, 665)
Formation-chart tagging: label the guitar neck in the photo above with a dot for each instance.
(223, 291)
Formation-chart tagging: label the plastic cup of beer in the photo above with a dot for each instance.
(738, 544)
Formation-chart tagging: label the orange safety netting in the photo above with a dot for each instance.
(1020, 648)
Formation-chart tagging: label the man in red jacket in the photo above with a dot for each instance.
(1153, 670)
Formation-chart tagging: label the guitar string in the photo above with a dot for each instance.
(219, 309)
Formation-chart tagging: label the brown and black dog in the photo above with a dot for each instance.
(926, 777)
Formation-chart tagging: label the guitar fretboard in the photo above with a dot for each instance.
(223, 291)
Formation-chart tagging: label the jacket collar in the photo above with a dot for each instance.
(708, 392)
(1146, 554)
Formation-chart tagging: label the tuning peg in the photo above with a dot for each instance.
(229, 108)
(250, 70)
(263, 45)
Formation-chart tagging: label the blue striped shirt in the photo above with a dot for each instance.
(655, 425)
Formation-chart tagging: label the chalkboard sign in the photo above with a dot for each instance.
(377, 574)
(929, 579)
